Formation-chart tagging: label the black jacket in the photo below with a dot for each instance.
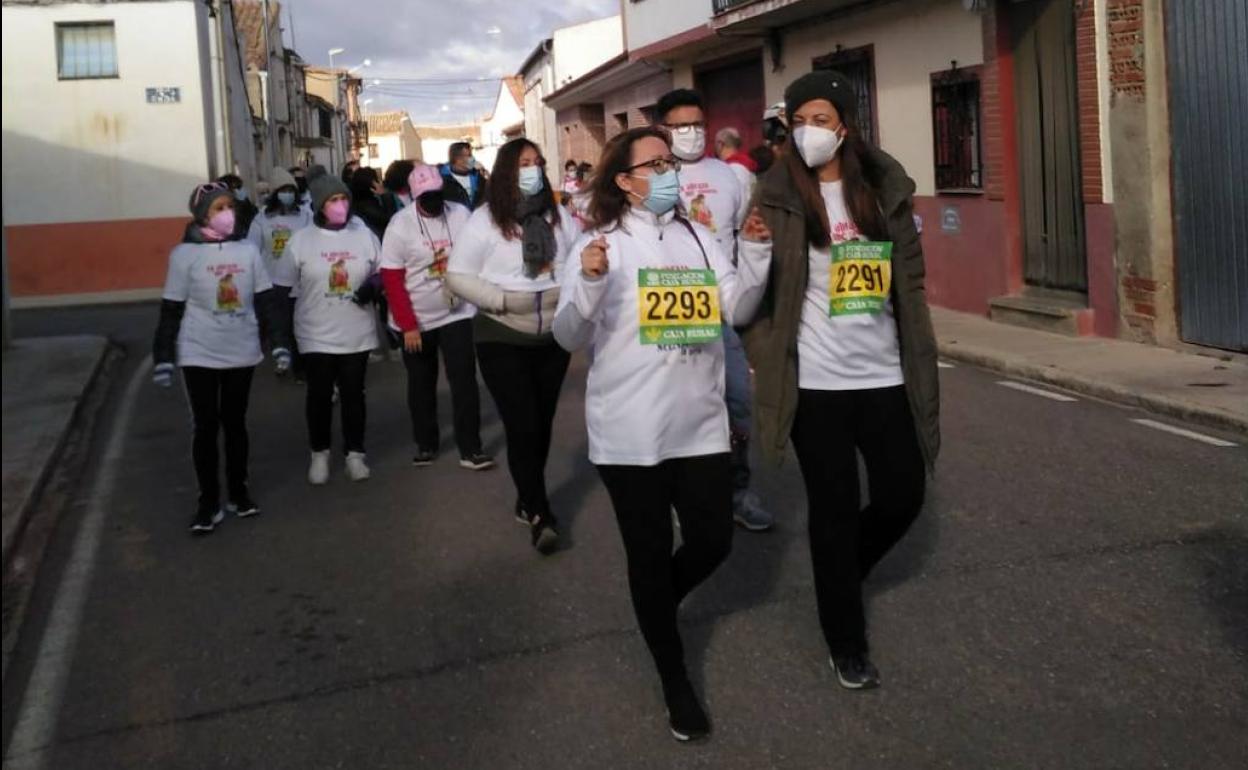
(453, 191)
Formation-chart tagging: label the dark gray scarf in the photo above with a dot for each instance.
(539, 236)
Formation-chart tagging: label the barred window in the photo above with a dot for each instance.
(858, 67)
(86, 50)
(956, 130)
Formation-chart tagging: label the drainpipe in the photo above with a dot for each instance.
(228, 158)
(215, 70)
(268, 86)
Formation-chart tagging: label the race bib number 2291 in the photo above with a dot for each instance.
(860, 277)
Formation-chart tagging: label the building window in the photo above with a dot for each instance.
(327, 123)
(956, 130)
(858, 67)
(86, 50)
(372, 151)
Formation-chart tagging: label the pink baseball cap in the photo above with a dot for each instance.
(423, 179)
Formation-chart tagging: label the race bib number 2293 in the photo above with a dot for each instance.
(678, 307)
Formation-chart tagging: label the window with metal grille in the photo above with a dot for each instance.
(86, 50)
(858, 67)
(955, 129)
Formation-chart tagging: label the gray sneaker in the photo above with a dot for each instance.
(750, 514)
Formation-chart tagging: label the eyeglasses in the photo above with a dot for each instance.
(659, 165)
(683, 128)
(207, 189)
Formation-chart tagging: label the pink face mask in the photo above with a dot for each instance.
(220, 225)
(336, 212)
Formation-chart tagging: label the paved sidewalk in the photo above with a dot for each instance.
(45, 381)
(1209, 389)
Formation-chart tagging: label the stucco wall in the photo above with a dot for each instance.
(583, 47)
(86, 150)
(649, 22)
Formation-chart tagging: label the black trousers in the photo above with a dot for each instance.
(846, 539)
(700, 489)
(525, 381)
(323, 371)
(218, 399)
(460, 359)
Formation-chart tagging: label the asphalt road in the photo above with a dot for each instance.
(1074, 595)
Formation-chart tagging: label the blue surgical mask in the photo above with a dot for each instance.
(664, 192)
(286, 198)
(531, 180)
(240, 194)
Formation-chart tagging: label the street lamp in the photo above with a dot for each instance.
(332, 53)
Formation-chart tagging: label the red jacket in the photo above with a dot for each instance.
(743, 159)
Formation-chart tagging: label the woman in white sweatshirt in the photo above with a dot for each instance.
(648, 301)
(329, 263)
(507, 261)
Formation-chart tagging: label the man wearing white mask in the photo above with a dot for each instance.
(714, 197)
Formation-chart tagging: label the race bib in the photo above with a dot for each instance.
(860, 278)
(678, 307)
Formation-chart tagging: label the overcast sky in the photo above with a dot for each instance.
(439, 47)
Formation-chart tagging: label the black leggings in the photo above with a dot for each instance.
(460, 359)
(218, 399)
(847, 540)
(700, 489)
(525, 381)
(324, 370)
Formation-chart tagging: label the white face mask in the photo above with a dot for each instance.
(816, 145)
(689, 143)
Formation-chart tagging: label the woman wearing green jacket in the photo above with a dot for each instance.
(843, 351)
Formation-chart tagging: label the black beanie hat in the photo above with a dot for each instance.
(822, 84)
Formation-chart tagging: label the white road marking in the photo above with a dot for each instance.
(31, 742)
(1036, 391)
(1184, 433)
(944, 365)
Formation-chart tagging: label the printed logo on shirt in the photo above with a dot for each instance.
(281, 235)
(699, 208)
(229, 299)
(339, 278)
(441, 255)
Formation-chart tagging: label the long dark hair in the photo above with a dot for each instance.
(607, 202)
(859, 177)
(503, 191)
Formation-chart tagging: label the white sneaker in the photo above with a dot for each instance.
(357, 470)
(318, 470)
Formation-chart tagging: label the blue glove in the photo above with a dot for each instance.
(281, 360)
(162, 375)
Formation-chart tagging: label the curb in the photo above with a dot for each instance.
(1201, 414)
(28, 506)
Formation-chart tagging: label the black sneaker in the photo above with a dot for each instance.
(545, 537)
(423, 458)
(685, 716)
(243, 506)
(855, 672)
(206, 520)
(522, 515)
(477, 461)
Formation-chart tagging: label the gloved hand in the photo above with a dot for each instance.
(369, 292)
(281, 361)
(162, 375)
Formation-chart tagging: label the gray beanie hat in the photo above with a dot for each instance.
(280, 177)
(822, 84)
(202, 197)
(314, 171)
(325, 187)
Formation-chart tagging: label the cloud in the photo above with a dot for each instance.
(448, 42)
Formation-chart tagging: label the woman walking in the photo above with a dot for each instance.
(648, 302)
(843, 351)
(414, 255)
(507, 261)
(329, 263)
(216, 284)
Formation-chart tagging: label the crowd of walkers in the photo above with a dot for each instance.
(724, 299)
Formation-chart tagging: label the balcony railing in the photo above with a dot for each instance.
(723, 6)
